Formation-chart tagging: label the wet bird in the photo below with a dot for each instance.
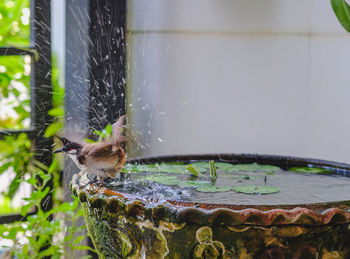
(103, 159)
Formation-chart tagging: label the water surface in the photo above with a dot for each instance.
(294, 188)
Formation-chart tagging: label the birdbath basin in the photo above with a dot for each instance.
(254, 206)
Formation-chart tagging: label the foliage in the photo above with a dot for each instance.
(213, 188)
(43, 233)
(39, 230)
(6, 207)
(14, 91)
(15, 154)
(57, 111)
(14, 22)
(14, 70)
(342, 11)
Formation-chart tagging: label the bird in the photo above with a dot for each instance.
(104, 159)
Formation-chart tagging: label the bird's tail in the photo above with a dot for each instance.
(117, 131)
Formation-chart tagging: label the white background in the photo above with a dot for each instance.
(240, 76)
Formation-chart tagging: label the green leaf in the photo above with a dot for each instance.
(26, 208)
(40, 165)
(12, 233)
(193, 170)
(251, 189)
(83, 248)
(4, 167)
(212, 169)
(32, 181)
(213, 188)
(63, 207)
(310, 170)
(246, 177)
(254, 167)
(52, 129)
(68, 238)
(51, 250)
(78, 239)
(20, 110)
(54, 166)
(75, 203)
(87, 140)
(14, 185)
(163, 179)
(201, 166)
(226, 167)
(108, 130)
(172, 168)
(193, 183)
(342, 11)
(56, 112)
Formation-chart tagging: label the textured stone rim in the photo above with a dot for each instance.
(214, 214)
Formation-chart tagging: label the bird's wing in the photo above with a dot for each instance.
(102, 155)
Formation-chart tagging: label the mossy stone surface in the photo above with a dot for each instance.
(124, 228)
(119, 236)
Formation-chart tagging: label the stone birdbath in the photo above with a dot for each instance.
(237, 206)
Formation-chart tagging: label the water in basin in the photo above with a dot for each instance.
(250, 184)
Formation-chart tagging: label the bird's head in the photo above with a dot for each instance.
(69, 147)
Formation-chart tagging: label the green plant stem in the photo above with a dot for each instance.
(212, 168)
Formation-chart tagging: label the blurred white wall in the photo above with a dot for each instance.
(58, 36)
(241, 76)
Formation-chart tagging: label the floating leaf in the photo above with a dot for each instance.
(310, 170)
(226, 167)
(254, 167)
(246, 177)
(261, 189)
(213, 188)
(172, 168)
(201, 166)
(180, 168)
(164, 179)
(192, 183)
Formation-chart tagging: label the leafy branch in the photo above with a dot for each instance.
(342, 11)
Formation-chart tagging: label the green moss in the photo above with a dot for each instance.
(204, 235)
